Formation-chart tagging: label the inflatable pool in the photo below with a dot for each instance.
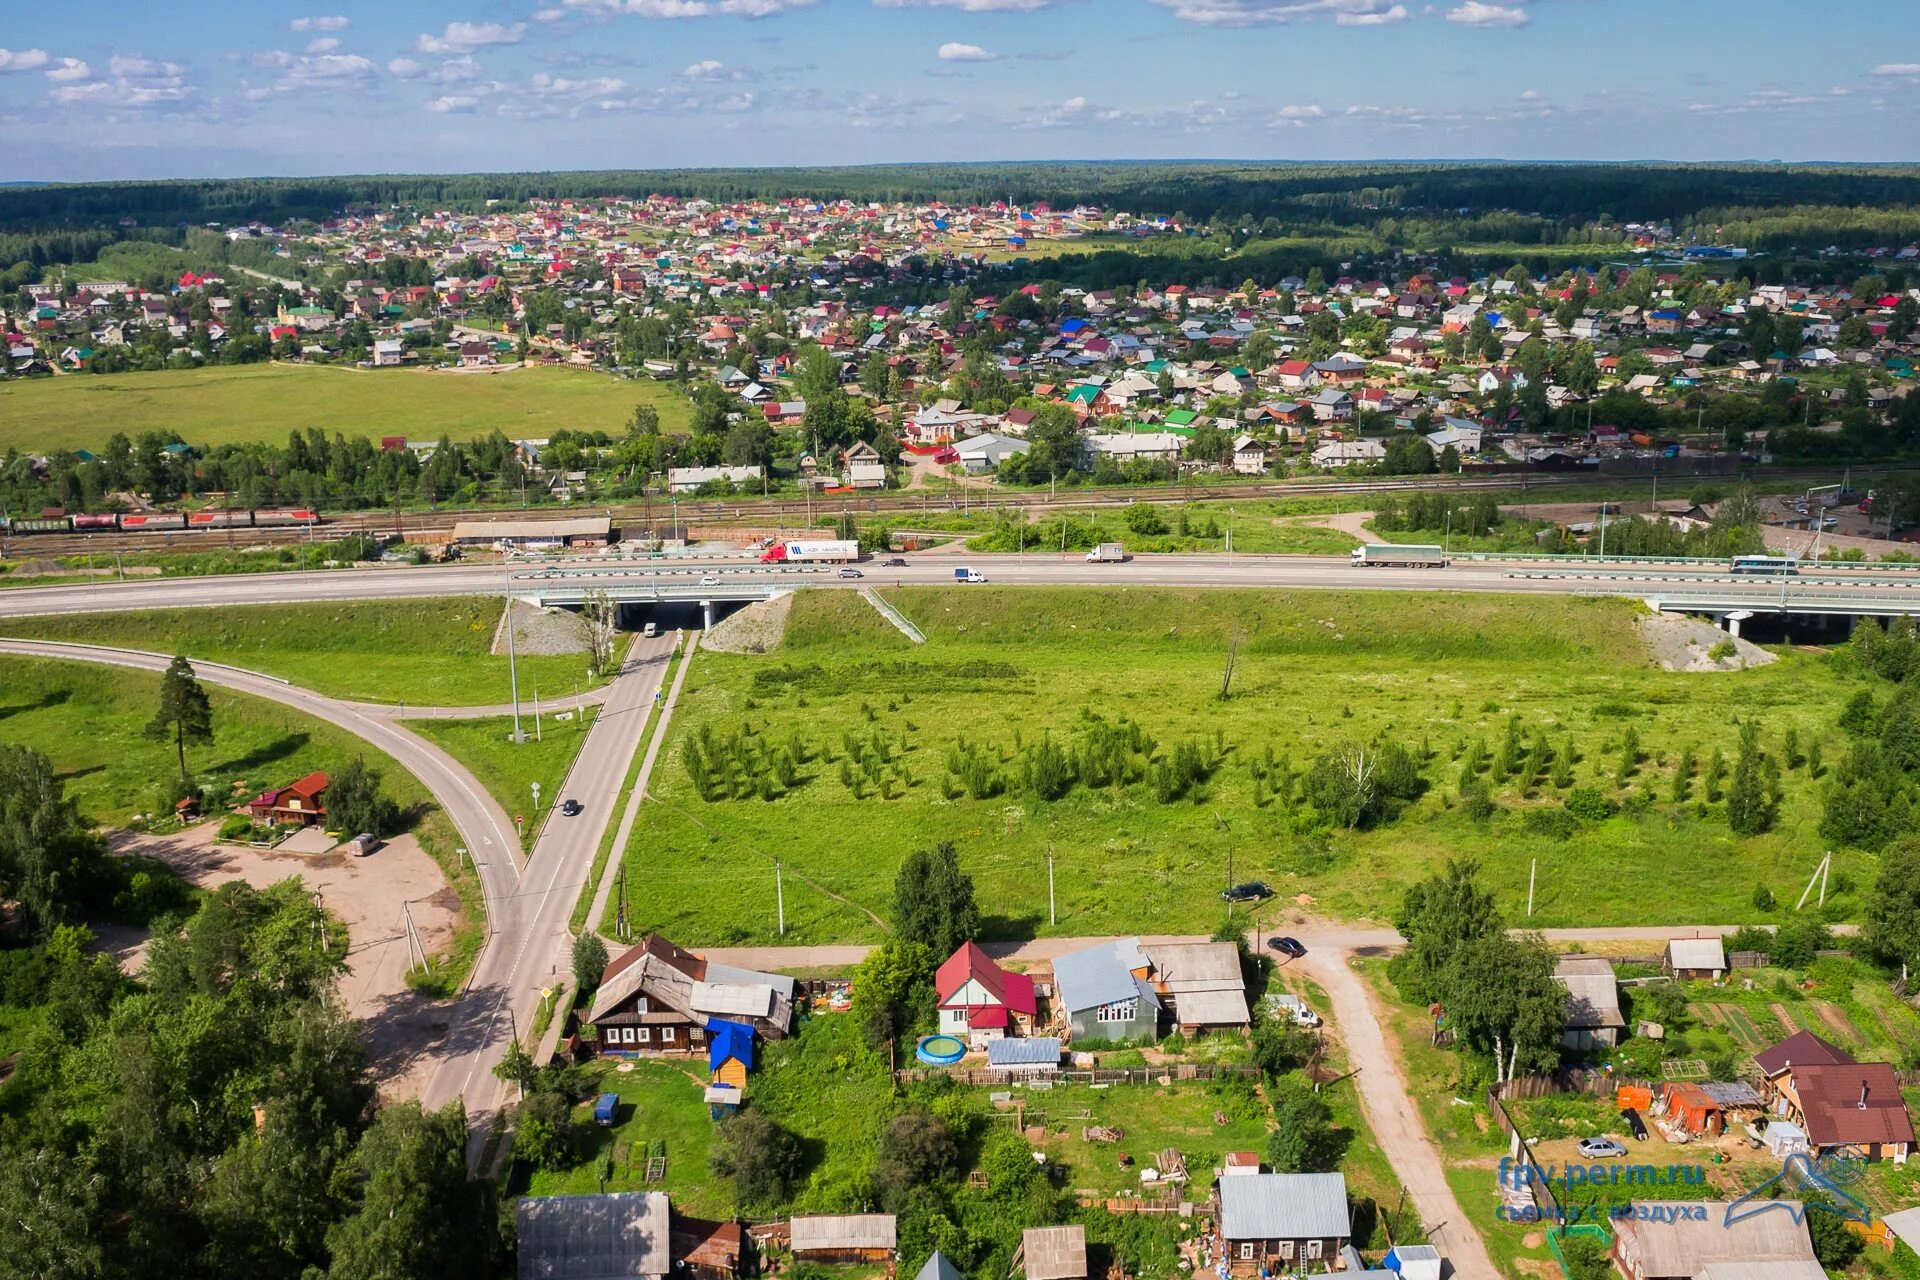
(940, 1051)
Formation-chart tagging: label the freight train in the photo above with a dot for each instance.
(157, 522)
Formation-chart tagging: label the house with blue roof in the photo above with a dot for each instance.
(1103, 992)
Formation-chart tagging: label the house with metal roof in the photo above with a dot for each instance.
(1026, 1057)
(1202, 984)
(939, 1266)
(1102, 993)
(1691, 958)
(1594, 1020)
(1277, 1222)
(1689, 1236)
(979, 1000)
(595, 1237)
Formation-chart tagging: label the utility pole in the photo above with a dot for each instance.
(779, 898)
(1053, 916)
(513, 669)
(536, 712)
(1532, 868)
(620, 908)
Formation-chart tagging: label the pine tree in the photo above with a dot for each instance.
(185, 714)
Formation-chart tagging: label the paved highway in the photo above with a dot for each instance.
(1291, 572)
(529, 906)
(530, 946)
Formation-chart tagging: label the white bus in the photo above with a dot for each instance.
(1767, 566)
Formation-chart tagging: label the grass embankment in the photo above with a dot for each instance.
(421, 652)
(247, 403)
(1313, 671)
(508, 769)
(87, 720)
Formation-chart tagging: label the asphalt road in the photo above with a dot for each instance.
(1291, 572)
(530, 943)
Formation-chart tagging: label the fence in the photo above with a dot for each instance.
(1107, 1076)
(1597, 1084)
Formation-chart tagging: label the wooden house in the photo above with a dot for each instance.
(843, 1237)
(298, 804)
(1273, 1223)
(659, 998)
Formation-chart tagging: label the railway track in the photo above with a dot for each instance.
(796, 512)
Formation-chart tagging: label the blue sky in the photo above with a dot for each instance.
(240, 87)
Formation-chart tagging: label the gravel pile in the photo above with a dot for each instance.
(542, 631)
(758, 628)
(1681, 643)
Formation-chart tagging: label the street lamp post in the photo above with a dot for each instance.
(513, 668)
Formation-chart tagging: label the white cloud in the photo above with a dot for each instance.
(1256, 13)
(464, 37)
(137, 83)
(133, 65)
(710, 71)
(1897, 69)
(955, 51)
(1531, 95)
(301, 71)
(405, 68)
(22, 59)
(688, 8)
(549, 15)
(1385, 17)
(452, 103)
(325, 44)
(69, 69)
(1306, 111)
(1477, 13)
(967, 6)
(333, 23)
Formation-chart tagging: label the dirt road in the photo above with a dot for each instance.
(365, 894)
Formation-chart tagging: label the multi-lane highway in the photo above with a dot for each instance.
(723, 579)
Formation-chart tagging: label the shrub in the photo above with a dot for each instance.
(1586, 804)
(1558, 823)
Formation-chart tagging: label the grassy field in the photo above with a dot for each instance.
(425, 652)
(242, 403)
(508, 769)
(87, 719)
(1004, 669)
(659, 1103)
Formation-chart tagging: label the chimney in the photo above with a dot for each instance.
(1862, 1104)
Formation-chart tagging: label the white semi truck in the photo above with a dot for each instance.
(1406, 557)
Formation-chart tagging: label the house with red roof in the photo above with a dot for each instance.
(980, 1000)
(299, 804)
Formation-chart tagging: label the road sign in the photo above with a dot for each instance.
(518, 820)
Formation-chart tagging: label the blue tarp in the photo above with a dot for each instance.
(728, 1040)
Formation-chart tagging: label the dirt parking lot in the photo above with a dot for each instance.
(366, 894)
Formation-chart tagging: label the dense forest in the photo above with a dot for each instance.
(1769, 205)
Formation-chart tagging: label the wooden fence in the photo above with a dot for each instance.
(1103, 1076)
(1597, 1084)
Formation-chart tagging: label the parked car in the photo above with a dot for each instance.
(1251, 891)
(1289, 947)
(1635, 1125)
(852, 573)
(1601, 1148)
(570, 808)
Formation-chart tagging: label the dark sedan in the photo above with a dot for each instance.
(1289, 947)
(1251, 891)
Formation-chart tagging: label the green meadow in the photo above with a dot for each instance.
(239, 404)
(846, 747)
